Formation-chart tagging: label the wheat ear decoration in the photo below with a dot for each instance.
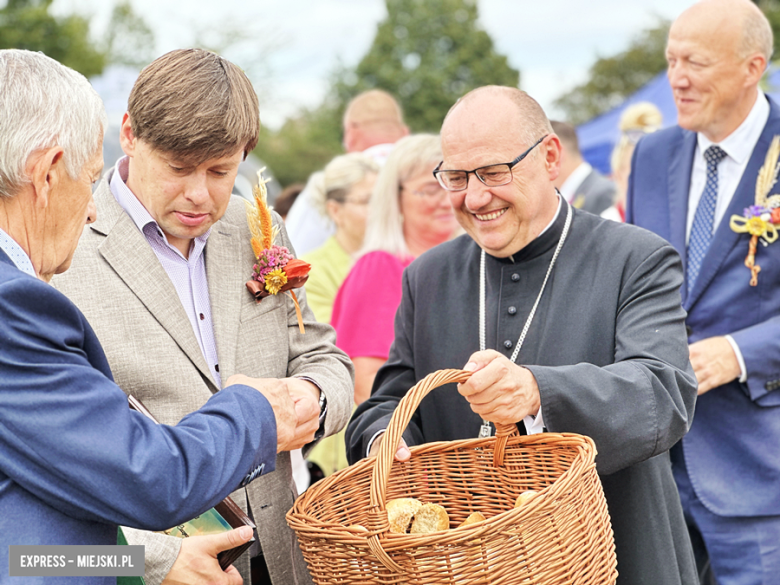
(767, 176)
(269, 230)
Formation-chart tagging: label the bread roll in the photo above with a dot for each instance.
(430, 518)
(473, 518)
(525, 497)
(400, 512)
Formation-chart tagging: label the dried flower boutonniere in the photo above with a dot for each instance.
(760, 219)
(275, 269)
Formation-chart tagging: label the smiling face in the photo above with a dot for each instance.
(481, 131)
(428, 216)
(184, 199)
(714, 82)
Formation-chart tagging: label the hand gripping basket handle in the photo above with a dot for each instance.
(384, 460)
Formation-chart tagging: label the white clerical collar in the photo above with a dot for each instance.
(552, 221)
(16, 253)
(574, 180)
(739, 144)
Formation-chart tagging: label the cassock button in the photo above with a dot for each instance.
(515, 277)
(508, 344)
(511, 310)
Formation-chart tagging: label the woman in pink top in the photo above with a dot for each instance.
(409, 214)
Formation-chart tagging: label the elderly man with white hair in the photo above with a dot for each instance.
(75, 462)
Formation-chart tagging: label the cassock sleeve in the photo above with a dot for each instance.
(642, 404)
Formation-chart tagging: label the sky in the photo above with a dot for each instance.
(294, 46)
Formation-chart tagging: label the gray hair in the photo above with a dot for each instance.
(45, 104)
(410, 156)
(757, 34)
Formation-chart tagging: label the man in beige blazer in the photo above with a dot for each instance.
(161, 276)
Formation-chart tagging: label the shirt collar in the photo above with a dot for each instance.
(16, 253)
(131, 204)
(739, 144)
(574, 180)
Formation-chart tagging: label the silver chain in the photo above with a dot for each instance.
(485, 429)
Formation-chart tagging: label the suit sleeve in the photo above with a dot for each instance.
(314, 355)
(642, 404)
(68, 437)
(760, 347)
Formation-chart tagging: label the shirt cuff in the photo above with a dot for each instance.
(374, 438)
(534, 425)
(740, 359)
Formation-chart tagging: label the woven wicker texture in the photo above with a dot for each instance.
(561, 536)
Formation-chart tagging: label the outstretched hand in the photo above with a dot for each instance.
(499, 390)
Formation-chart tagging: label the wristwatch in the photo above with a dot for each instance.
(323, 410)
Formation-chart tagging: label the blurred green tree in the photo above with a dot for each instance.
(129, 40)
(428, 53)
(612, 79)
(27, 24)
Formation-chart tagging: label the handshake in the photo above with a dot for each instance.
(296, 408)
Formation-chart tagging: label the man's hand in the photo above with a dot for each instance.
(306, 397)
(500, 391)
(714, 363)
(401, 454)
(197, 560)
(285, 411)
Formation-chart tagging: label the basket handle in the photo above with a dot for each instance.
(384, 459)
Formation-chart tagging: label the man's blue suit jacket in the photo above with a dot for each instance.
(732, 451)
(75, 461)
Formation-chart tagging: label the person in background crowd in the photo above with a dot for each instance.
(373, 122)
(636, 121)
(171, 250)
(75, 461)
(579, 183)
(579, 329)
(409, 214)
(286, 199)
(696, 184)
(346, 187)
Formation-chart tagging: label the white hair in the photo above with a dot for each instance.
(385, 225)
(339, 176)
(45, 104)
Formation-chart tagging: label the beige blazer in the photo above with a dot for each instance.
(126, 295)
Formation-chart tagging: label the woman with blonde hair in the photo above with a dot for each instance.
(409, 214)
(636, 121)
(342, 192)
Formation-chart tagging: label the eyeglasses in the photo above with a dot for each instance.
(428, 191)
(491, 175)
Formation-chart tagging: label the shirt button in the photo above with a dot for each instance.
(202, 316)
(508, 344)
(216, 367)
(511, 310)
(515, 277)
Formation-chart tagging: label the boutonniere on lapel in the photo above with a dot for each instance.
(275, 270)
(759, 220)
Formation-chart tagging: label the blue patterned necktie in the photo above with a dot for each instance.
(701, 230)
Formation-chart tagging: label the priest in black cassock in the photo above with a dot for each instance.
(604, 353)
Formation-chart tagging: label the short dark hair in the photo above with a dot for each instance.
(196, 105)
(568, 135)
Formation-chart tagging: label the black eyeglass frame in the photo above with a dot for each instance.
(510, 165)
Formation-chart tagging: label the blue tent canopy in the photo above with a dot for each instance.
(598, 136)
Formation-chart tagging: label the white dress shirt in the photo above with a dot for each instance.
(573, 181)
(16, 253)
(738, 147)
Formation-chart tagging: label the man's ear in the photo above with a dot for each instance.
(45, 169)
(552, 155)
(127, 139)
(756, 65)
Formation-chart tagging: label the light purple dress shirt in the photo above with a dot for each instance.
(16, 253)
(188, 275)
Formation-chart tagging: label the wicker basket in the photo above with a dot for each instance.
(561, 536)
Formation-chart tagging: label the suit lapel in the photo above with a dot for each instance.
(129, 254)
(725, 238)
(679, 179)
(226, 273)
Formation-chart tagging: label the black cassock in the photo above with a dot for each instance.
(607, 347)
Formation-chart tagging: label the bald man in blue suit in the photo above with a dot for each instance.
(728, 466)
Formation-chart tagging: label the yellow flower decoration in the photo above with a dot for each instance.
(275, 280)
